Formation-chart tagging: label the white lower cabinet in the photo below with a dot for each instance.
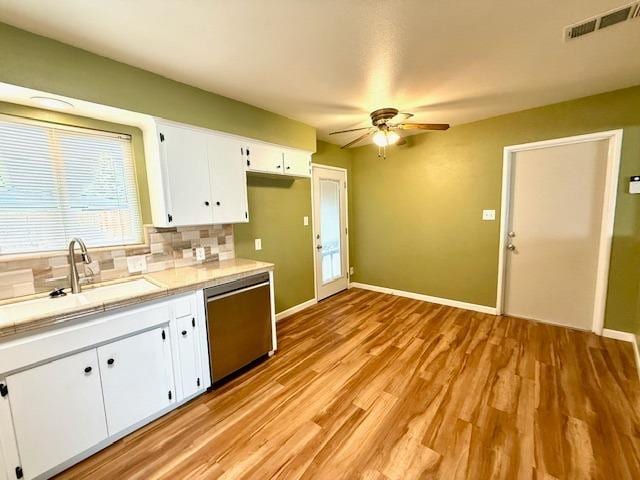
(136, 378)
(189, 354)
(57, 406)
(57, 411)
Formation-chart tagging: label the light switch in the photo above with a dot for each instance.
(200, 253)
(488, 215)
(305, 220)
(258, 243)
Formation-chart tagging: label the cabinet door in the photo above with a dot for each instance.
(57, 411)
(228, 180)
(297, 163)
(265, 158)
(189, 353)
(184, 155)
(136, 378)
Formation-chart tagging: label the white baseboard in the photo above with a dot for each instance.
(625, 337)
(426, 298)
(295, 309)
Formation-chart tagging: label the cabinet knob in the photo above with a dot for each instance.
(110, 361)
(278, 166)
(207, 203)
(218, 203)
(184, 333)
(87, 370)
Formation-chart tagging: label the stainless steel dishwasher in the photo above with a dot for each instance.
(238, 324)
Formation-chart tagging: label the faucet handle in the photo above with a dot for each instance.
(57, 292)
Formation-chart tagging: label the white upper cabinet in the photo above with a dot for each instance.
(264, 159)
(198, 176)
(228, 178)
(184, 157)
(297, 163)
(273, 160)
(57, 411)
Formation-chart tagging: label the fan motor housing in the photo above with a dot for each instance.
(382, 115)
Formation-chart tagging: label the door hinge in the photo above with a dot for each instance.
(169, 217)
(193, 322)
(198, 382)
(19, 472)
(346, 231)
(170, 395)
(164, 335)
(162, 137)
(246, 214)
(4, 390)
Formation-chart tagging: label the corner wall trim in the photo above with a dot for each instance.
(295, 309)
(426, 298)
(625, 337)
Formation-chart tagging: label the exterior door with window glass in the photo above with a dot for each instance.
(330, 230)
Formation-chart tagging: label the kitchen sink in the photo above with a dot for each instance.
(89, 297)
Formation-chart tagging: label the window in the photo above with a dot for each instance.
(59, 182)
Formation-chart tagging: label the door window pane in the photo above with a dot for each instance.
(330, 230)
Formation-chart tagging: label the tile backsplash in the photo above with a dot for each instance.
(164, 248)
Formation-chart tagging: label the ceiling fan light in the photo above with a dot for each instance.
(392, 137)
(385, 138)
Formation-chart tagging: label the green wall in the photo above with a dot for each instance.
(418, 225)
(276, 210)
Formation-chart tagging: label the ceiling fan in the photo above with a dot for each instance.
(386, 124)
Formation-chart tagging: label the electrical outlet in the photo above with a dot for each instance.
(305, 221)
(136, 263)
(258, 243)
(352, 270)
(200, 256)
(488, 215)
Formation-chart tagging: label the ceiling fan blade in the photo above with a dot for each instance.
(400, 117)
(361, 137)
(424, 126)
(350, 130)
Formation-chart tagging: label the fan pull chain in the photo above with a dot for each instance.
(382, 152)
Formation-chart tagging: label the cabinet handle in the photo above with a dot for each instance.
(288, 167)
(218, 203)
(184, 333)
(87, 370)
(278, 166)
(110, 361)
(206, 203)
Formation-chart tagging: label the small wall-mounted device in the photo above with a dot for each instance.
(634, 184)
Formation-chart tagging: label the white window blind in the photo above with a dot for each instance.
(59, 182)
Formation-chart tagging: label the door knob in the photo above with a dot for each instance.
(318, 247)
(511, 234)
(511, 247)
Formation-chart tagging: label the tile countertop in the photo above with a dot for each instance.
(168, 282)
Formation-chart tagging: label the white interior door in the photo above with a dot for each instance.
(553, 230)
(57, 411)
(330, 230)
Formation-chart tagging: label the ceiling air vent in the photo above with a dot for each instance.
(603, 20)
(615, 17)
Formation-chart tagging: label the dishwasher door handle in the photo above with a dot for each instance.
(235, 292)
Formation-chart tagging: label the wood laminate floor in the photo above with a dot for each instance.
(367, 385)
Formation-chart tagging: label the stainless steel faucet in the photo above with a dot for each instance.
(74, 277)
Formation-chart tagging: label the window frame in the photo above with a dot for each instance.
(19, 119)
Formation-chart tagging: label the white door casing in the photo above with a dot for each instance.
(568, 215)
(330, 234)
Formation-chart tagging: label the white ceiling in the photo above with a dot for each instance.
(328, 63)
